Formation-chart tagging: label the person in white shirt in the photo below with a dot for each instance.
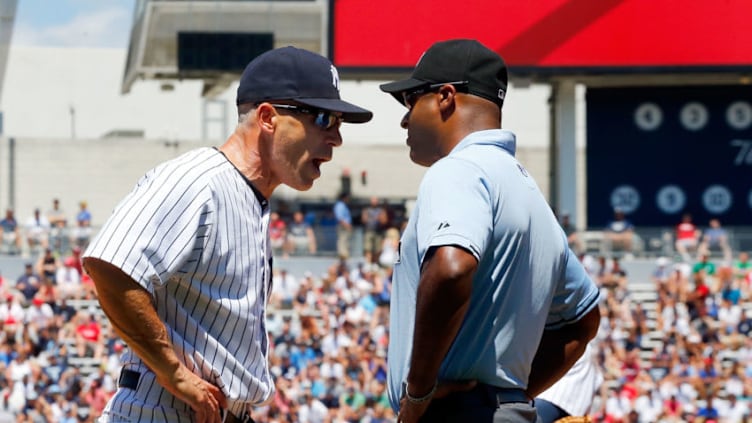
(68, 279)
(733, 410)
(285, 287)
(332, 343)
(312, 410)
(39, 313)
(37, 231)
(729, 316)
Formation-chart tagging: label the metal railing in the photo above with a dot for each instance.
(659, 241)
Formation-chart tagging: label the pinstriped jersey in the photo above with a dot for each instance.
(194, 234)
(574, 392)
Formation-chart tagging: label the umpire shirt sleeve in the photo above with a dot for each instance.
(454, 208)
(576, 294)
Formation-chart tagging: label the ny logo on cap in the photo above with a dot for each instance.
(335, 77)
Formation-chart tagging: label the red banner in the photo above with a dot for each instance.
(389, 34)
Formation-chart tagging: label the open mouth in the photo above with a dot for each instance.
(318, 162)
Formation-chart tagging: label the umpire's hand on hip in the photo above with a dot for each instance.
(411, 412)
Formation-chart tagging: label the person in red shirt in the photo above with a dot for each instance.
(96, 397)
(277, 232)
(696, 301)
(687, 237)
(76, 257)
(88, 334)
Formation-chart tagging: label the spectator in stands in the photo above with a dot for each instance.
(11, 234)
(58, 227)
(300, 236)
(29, 282)
(55, 214)
(573, 238)
(88, 331)
(48, 292)
(311, 410)
(708, 412)
(618, 275)
(39, 314)
(76, 256)
(37, 231)
(390, 248)
(662, 272)
(742, 267)
(705, 265)
(687, 237)
(374, 218)
(47, 265)
(697, 299)
(284, 288)
(715, 238)
(96, 397)
(342, 213)
(277, 232)
(11, 313)
(732, 410)
(619, 233)
(81, 234)
(729, 316)
(68, 279)
(352, 400)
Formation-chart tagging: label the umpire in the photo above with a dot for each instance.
(485, 288)
(183, 266)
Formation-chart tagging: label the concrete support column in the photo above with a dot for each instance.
(564, 196)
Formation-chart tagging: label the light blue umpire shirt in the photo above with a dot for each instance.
(482, 199)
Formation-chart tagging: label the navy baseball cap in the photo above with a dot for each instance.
(459, 60)
(290, 73)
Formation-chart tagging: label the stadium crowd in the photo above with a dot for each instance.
(687, 357)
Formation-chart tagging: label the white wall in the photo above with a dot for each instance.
(43, 84)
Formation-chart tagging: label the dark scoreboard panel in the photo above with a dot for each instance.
(220, 51)
(658, 152)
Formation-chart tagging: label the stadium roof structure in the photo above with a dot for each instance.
(177, 39)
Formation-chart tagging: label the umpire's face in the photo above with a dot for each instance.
(423, 121)
(303, 140)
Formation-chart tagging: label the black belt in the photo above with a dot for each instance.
(231, 418)
(129, 379)
(507, 395)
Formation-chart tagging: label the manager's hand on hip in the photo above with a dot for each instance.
(411, 412)
(205, 399)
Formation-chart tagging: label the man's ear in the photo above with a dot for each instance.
(447, 98)
(265, 117)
